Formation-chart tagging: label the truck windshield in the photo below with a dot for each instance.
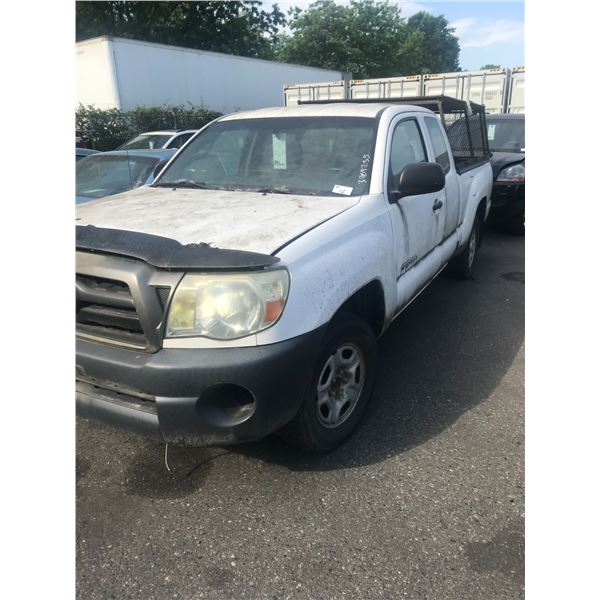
(325, 156)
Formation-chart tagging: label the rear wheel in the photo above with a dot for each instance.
(340, 388)
(461, 266)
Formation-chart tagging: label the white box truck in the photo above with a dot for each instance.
(120, 73)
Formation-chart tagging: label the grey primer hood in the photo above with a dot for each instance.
(192, 228)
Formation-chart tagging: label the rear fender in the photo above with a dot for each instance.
(477, 186)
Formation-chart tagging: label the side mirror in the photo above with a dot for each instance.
(419, 178)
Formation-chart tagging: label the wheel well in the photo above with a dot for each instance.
(368, 303)
(481, 209)
(480, 214)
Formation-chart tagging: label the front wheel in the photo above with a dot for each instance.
(461, 266)
(340, 388)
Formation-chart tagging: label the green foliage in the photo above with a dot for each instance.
(241, 28)
(362, 38)
(440, 47)
(366, 37)
(106, 129)
(369, 39)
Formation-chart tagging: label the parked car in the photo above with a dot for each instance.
(107, 173)
(83, 152)
(243, 292)
(506, 135)
(154, 140)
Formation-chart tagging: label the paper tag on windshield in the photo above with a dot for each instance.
(342, 189)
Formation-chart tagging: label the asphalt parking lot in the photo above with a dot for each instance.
(426, 500)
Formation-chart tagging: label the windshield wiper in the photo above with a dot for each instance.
(273, 190)
(188, 183)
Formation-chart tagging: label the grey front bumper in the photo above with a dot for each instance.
(192, 396)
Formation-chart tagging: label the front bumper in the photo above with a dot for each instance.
(197, 397)
(508, 201)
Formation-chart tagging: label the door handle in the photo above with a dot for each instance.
(437, 205)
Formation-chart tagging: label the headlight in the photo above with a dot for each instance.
(227, 306)
(512, 174)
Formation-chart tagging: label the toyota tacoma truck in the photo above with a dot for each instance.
(243, 292)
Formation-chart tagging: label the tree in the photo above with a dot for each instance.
(241, 28)
(361, 38)
(440, 45)
(369, 39)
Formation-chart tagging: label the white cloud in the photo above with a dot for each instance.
(463, 25)
(478, 33)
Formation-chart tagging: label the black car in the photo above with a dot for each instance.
(506, 134)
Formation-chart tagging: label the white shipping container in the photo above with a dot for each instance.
(516, 96)
(449, 84)
(121, 73)
(331, 90)
(500, 90)
(390, 87)
(488, 87)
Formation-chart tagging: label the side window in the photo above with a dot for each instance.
(180, 140)
(439, 144)
(407, 147)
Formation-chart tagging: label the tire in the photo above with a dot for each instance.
(461, 266)
(340, 388)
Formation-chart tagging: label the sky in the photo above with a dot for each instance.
(488, 32)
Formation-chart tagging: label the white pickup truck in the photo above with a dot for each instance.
(243, 292)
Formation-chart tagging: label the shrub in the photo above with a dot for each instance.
(107, 129)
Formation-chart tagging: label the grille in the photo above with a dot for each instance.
(105, 309)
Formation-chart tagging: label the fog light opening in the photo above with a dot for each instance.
(226, 404)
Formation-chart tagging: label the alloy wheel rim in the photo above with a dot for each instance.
(340, 385)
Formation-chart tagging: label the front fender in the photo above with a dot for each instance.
(330, 263)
